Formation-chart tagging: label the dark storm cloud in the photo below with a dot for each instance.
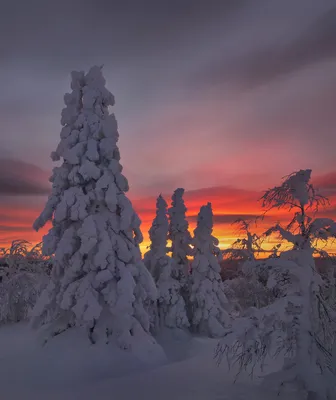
(67, 33)
(317, 43)
(19, 187)
(18, 178)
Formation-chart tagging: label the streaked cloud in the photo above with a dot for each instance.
(18, 178)
(315, 44)
(327, 184)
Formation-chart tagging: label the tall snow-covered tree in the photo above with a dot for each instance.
(179, 235)
(171, 305)
(98, 279)
(299, 323)
(209, 303)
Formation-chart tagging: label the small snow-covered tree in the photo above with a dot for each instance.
(299, 323)
(19, 293)
(207, 297)
(23, 274)
(18, 257)
(98, 279)
(244, 292)
(180, 236)
(171, 305)
(244, 248)
(249, 288)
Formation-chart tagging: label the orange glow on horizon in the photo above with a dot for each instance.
(228, 204)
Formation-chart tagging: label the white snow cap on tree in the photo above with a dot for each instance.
(297, 184)
(296, 190)
(171, 305)
(207, 297)
(179, 234)
(98, 278)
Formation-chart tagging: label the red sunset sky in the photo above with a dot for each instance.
(221, 98)
(228, 203)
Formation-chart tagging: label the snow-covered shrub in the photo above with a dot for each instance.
(171, 305)
(289, 326)
(98, 279)
(245, 248)
(246, 293)
(247, 251)
(208, 301)
(329, 277)
(23, 256)
(180, 236)
(18, 295)
(300, 323)
(249, 288)
(24, 274)
(230, 269)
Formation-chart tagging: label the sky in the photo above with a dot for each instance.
(223, 98)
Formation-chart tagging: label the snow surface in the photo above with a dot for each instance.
(70, 368)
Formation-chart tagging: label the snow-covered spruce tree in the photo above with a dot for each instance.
(180, 236)
(207, 297)
(18, 295)
(158, 235)
(98, 279)
(171, 305)
(300, 323)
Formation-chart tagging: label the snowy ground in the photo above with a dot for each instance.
(70, 368)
